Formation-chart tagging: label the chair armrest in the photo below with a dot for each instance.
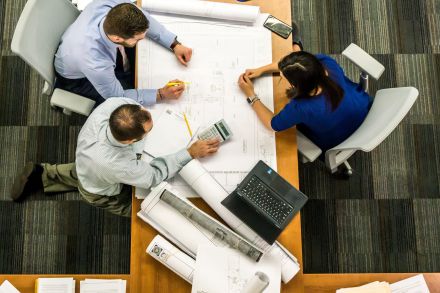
(72, 102)
(364, 61)
(307, 148)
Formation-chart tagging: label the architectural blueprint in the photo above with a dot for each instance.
(231, 271)
(221, 52)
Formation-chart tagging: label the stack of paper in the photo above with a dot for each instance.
(103, 286)
(416, 284)
(7, 287)
(55, 285)
(376, 287)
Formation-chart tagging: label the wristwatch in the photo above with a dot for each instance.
(174, 44)
(252, 100)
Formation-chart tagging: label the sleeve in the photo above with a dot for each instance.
(145, 175)
(103, 79)
(292, 114)
(158, 33)
(331, 65)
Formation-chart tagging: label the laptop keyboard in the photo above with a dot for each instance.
(256, 192)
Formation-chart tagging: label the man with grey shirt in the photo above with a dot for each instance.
(108, 160)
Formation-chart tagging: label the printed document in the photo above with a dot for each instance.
(223, 270)
(222, 50)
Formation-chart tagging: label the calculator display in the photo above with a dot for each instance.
(223, 128)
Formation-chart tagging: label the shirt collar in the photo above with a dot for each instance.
(112, 140)
(104, 36)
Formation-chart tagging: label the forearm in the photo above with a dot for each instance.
(263, 113)
(270, 68)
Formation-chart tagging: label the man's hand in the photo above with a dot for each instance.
(172, 92)
(203, 148)
(183, 54)
(246, 85)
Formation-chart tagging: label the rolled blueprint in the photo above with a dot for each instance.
(221, 232)
(224, 11)
(257, 283)
(213, 193)
(172, 257)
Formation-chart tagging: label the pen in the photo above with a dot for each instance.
(177, 83)
(187, 124)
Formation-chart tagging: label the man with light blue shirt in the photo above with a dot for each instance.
(108, 160)
(95, 58)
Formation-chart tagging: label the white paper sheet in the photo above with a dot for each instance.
(7, 287)
(55, 285)
(223, 270)
(212, 192)
(416, 284)
(172, 257)
(221, 52)
(223, 11)
(376, 287)
(170, 134)
(103, 286)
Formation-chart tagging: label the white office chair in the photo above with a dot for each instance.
(389, 107)
(36, 39)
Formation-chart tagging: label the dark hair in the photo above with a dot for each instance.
(127, 122)
(305, 73)
(125, 20)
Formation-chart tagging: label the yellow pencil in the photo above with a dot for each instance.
(177, 83)
(187, 125)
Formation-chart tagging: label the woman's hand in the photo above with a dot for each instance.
(254, 73)
(246, 85)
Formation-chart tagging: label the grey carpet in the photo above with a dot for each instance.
(386, 217)
(57, 234)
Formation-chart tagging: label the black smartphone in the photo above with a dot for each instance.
(277, 26)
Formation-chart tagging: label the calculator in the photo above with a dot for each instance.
(219, 130)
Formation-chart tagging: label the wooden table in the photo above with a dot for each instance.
(147, 275)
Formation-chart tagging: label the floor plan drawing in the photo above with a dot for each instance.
(221, 52)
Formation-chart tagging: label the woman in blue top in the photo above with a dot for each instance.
(325, 105)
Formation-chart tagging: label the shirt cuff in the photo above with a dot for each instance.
(183, 157)
(167, 38)
(145, 97)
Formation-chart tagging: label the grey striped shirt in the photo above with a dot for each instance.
(103, 164)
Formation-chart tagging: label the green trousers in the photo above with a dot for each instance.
(63, 177)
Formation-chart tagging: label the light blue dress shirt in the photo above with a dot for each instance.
(86, 51)
(103, 164)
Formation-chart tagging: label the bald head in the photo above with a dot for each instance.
(129, 122)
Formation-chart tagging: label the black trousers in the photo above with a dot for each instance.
(83, 87)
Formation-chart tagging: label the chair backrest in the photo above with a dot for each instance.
(38, 33)
(390, 106)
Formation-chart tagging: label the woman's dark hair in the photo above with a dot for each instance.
(305, 73)
(125, 20)
(127, 122)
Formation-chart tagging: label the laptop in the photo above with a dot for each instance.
(265, 202)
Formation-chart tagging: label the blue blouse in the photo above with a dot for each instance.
(314, 118)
